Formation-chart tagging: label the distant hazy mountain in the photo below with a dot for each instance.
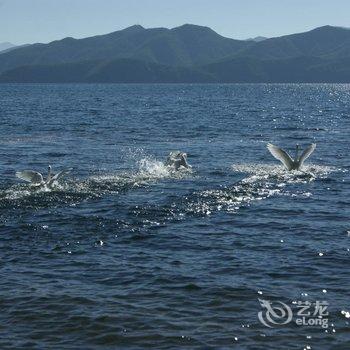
(301, 69)
(181, 46)
(122, 70)
(5, 46)
(14, 47)
(184, 54)
(323, 41)
(257, 39)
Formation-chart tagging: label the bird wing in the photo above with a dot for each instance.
(172, 157)
(184, 161)
(30, 176)
(306, 154)
(60, 174)
(169, 160)
(281, 155)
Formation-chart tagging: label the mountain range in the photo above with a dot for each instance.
(189, 53)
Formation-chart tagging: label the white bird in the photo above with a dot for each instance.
(177, 160)
(37, 179)
(286, 159)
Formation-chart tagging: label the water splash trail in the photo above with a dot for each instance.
(149, 170)
(261, 181)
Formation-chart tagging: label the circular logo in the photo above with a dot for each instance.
(276, 313)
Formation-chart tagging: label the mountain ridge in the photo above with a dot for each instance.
(158, 45)
(188, 53)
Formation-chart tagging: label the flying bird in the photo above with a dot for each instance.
(36, 179)
(286, 159)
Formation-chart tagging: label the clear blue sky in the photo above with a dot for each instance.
(29, 21)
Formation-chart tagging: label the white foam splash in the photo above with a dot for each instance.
(20, 191)
(152, 168)
(270, 171)
(148, 170)
(263, 181)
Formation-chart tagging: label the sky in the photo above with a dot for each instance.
(30, 21)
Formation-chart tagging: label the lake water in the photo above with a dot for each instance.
(127, 254)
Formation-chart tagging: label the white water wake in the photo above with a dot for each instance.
(148, 170)
(262, 181)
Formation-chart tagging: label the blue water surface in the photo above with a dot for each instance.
(127, 254)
